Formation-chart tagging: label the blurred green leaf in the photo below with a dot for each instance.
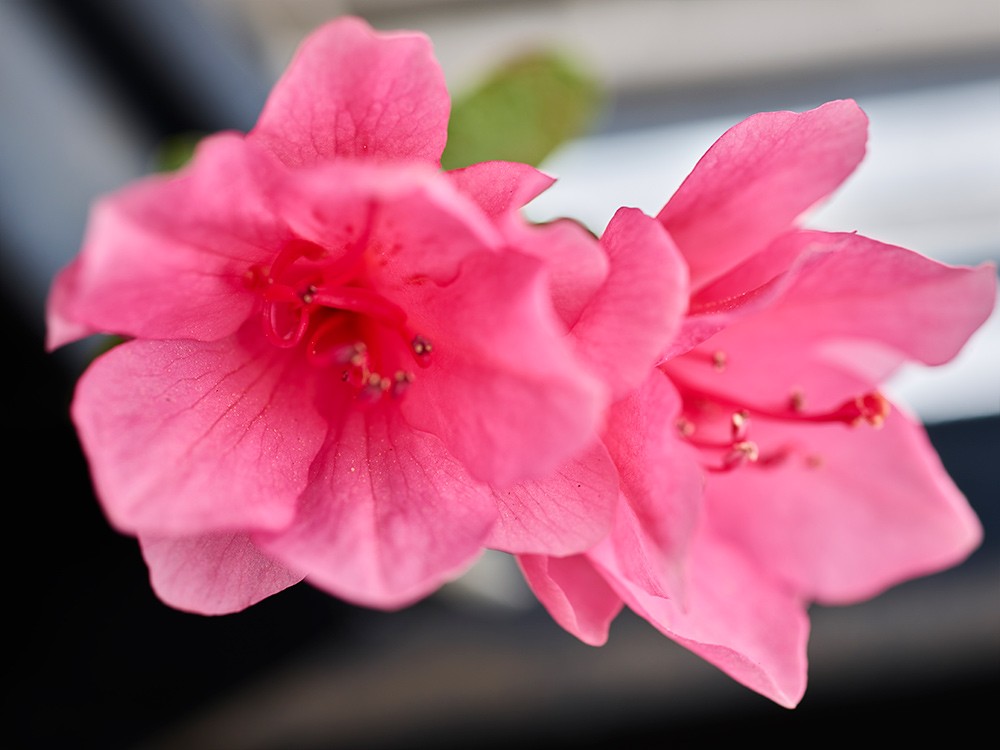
(175, 151)
(522, 112)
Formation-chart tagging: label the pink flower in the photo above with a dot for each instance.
(815, 489)
(336, 353)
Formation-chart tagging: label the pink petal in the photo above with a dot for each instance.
(388, 515)
(167, 257)
(354, 92)
(576, 262)
(212, 575)
(862, 288)
(751, 286)
(661, 488)
(574, 593)
(577, 265)
(849, 511)
(186, 438)
(565, 513)
(849, 308)
(500, 188)
(756, 181)
(735, 616)
(504, 392)
(629, 322)
(416, 228)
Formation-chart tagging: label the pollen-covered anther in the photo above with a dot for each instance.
(401, 382)
(374, 387)
(873, 409)
(309, 294)
(744, 451)
(422, 349)
(740, 422)
(685, 427)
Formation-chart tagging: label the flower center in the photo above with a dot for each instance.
(328, 307)
(719, 425)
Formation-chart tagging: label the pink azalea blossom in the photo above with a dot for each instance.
(337, 355)
(808, 485)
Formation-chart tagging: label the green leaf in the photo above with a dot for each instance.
(522, 112)
(175, 151)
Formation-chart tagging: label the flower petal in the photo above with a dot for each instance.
(388, 515)
(353, 92)
(849, 308)
(500, 187)
(632, 318)
(504, 391)
(577, 265)
(849, 511)
(757, 179)
(186, 438)
(574, 593)
(414, 226)
(735, 616)
(661, 488)
(167, 257)
(565, 513)
(214, 574)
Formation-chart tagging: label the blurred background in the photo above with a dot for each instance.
(90, 90)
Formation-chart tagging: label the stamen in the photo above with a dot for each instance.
(325, 298)
(870, 407)
(743, 452)
(291, 252)
(685, 427)
(285, 318)
(740, 425)
(375, 386)
(421, 350)
(401, 383)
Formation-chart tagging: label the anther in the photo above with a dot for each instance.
(375, 385)
(740, 425)
(872, 408)
(401, 382)
(743, 452)
(422, 349)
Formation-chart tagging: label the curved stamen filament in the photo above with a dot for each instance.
(871, 407)
(285, 317)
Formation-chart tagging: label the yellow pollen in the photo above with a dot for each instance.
(421, 346)
(740, 424)
(309, 294)
(747, 449)
(685, 427)
(872, 408)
